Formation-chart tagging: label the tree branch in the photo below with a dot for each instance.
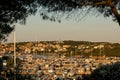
(94, 4)
(106, 3)
(114, 10)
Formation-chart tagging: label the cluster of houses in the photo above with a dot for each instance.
(49, 47)
(54, 66)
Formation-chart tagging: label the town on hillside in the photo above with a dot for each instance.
(68, 48)
(57, 60)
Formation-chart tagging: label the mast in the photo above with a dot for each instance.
(14, 56)
(14, 50)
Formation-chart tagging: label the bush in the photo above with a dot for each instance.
(107, 72)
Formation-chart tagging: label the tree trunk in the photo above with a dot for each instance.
(117, 15)
(114, 10)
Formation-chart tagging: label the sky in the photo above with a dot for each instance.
(91, 28)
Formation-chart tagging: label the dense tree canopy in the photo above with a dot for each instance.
(109, 8)
(15, 11)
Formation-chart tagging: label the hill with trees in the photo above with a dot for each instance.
(69, 48)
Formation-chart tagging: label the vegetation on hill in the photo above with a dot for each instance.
(69, 47)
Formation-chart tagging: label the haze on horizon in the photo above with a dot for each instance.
(95, 29)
